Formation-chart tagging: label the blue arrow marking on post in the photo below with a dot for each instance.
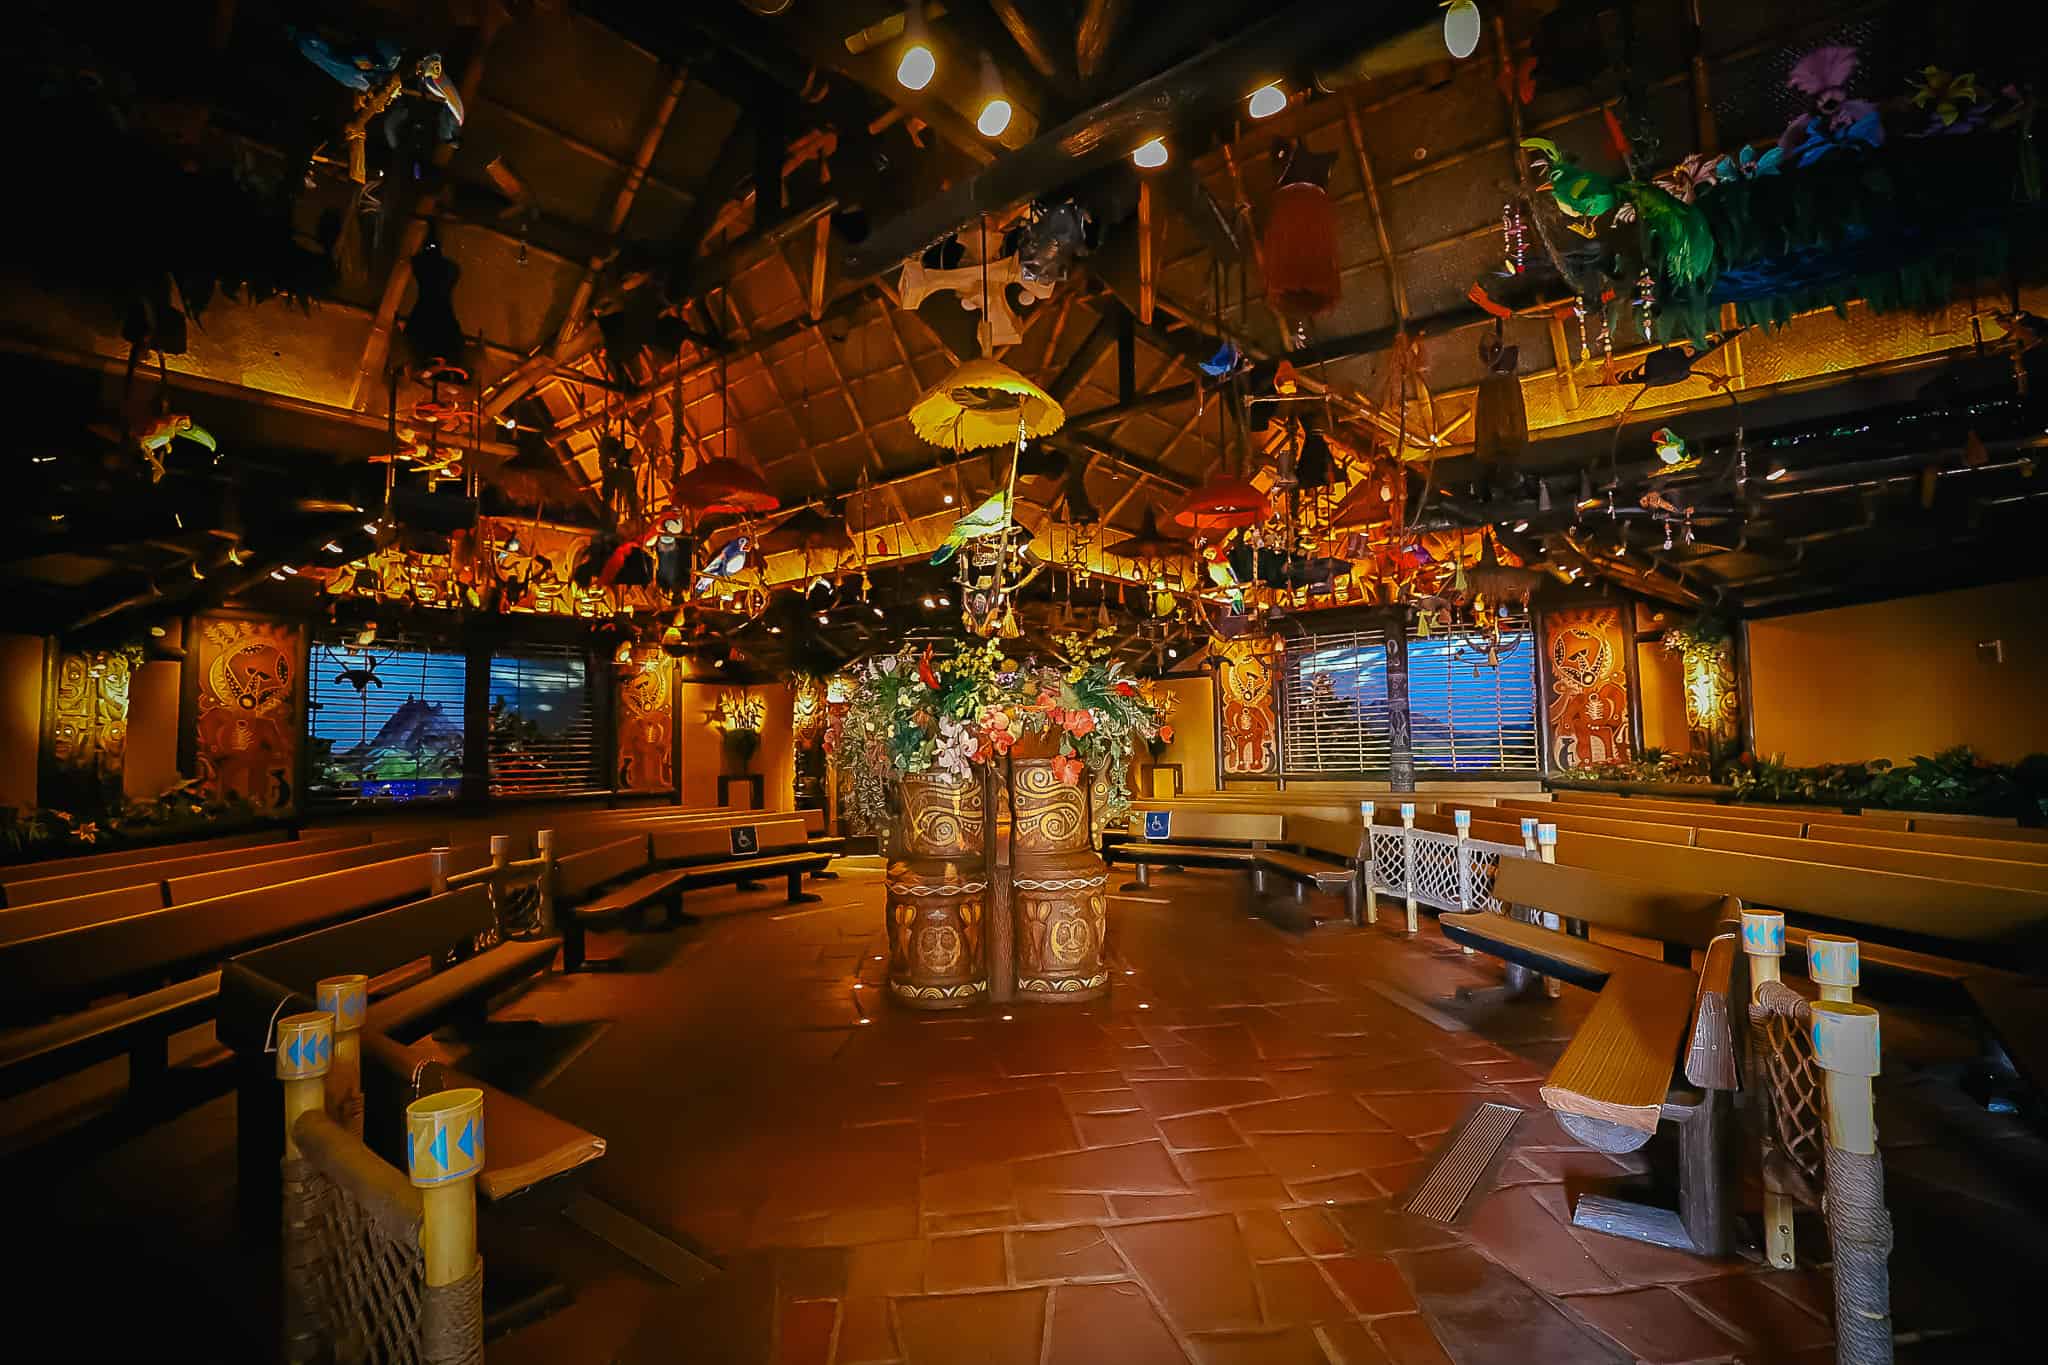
(411, 1159)
(439, 1147)
(467, 1142)
(291, 1053)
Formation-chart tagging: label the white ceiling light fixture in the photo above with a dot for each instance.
(917, 66)
(1266, 101)
(1152, 155)
(1462, 26)
(994, 118)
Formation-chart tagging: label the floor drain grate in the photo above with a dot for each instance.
(1449, 1183)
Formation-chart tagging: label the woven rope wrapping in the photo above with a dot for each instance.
(1861, 1230)
(517, 906)
(1435, 874)
(1481, 866)
(354, 1272)
(1389, 862)
(452, 1321)
(1780, 1023)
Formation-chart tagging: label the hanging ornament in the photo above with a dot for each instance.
(983, 404)
(1299, 247)
(1645, 302)
(1514, 233)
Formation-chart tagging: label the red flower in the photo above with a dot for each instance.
(1080, 723)
(924, 669)
(1124, 689)
(1067, 769)
(1166, 734)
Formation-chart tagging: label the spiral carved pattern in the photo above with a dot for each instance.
(1052, 817)
(937, 955)
(941, 818)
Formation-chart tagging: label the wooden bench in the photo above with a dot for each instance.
(741, 855)
(1170, 838)
(1324, 854)
(199, 886)
(1658, 1046)
(52, 985)
(601, 886)
(28, 891)
(1879, 857)
(47, 917)
(527, 1145)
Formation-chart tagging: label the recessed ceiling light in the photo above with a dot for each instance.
(1152, 155)
(995, 117)
(1778, 472)
(1267, 101)
(916, 69)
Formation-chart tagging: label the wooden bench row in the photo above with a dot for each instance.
(1306, 849)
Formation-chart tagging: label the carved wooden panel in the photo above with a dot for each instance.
(1585, 665)
(85, 740)
(1250, 720)
(646, 719)
(250, 710)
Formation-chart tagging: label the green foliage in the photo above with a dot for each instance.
(1954, 781)
(1654, 765)
(180, 813)
(1705, 631)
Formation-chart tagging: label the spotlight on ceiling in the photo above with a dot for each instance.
(1521, 526)
(1778, 472)
(945, 601)
(1172, 653)
(949, 499)
(332, 548)
(1267, 101)
(1461, 28)
(917, 66)
(1588, 500)
(1151, 155)
(995, 108)
(929, 604)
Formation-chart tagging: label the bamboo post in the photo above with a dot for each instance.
(346, 998)
(1545, 837)
(1528, 834)
(1408, 862)
(1462, 820)
(444, 1151)
(1845, 1044)
(1834, 964)
(437, 861)
(1763, 944)
(1372, 895)
(501, 862)
(544, 844)
(305, 1051)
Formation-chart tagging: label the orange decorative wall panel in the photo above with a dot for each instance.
(1250, 721)
(250, 709)
(647, 720)
(1586, 679)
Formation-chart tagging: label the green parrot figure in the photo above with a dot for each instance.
(988, 519)
(1580, 192)
(158, 435)
(1223, 576)
(1675, 234)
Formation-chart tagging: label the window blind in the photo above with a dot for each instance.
(1335, 700)
(543, 730)
(1465, 715)
(385, 721)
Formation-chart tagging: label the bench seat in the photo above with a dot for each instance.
(1580, 961)
(473, 980)
(140, 1026)
(627, 897)
(1618, 1067)
(1329, 875)
(1167, 851)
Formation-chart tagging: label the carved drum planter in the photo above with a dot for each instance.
(1059, 889)
(938, 896)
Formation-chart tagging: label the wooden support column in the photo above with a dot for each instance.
(1147, 253)
(1401, 764)
(1763, 944)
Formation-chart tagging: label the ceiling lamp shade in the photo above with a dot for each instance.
(982, 404)
(807, 530)
(1224, 503)
(1148, 542)
(724, 485)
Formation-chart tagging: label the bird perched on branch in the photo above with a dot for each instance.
(992, 517)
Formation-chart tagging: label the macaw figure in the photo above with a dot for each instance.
(374, 72)
(1675, 232)
(991, 518)
(158, 435)
(727, 560)
(1223, 576)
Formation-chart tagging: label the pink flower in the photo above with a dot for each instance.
(1068, 769)
(1080, 723)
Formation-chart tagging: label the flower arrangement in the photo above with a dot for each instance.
(912, 713)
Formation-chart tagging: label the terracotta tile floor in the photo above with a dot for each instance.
(1206, 1166)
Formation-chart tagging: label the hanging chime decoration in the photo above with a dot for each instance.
(1500, 418)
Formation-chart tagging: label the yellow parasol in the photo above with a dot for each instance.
(982, 404)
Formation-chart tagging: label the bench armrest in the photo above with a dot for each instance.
(1710, 1039)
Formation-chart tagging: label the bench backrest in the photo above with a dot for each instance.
(1161, 822)
(1704, 818)
(1638, 906)
(1325, 836)
(1967, 846)
(717, 843)
(202, 886)
(371, 944)
(1648, 832)
(100, 958)
(579, 873)
(1959, 911)
(150, 853)
(1882, 858)
(1981, 826)
(48, 917)
(28, 892)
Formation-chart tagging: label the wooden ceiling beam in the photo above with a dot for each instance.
(1098, 24)
(1037, 47)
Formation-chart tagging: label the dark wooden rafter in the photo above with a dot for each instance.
(1097, 27)
(1093, 347)
(1036, 45)
(622, 202)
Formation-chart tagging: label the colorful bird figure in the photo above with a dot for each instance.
(158, 435)
(727, 560)
(1672, 451)
(991, 518)
(1580, 192)
(1223, 576)
(1227, 361)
